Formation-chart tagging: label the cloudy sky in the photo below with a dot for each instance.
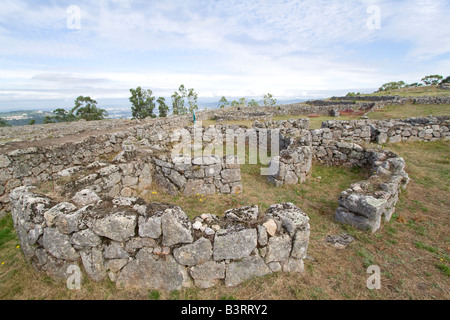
(292, 49)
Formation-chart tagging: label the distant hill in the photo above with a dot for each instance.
(23, 117)
(115, 110)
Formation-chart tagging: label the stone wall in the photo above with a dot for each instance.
(294, 163)
(202, 175)
(140, 245)
(382, 131)
(367, 202)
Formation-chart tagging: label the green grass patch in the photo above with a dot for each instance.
(444, 268)
(7, 232)
(421, 245)
(154, 295)
(409, 110)
(413, 92)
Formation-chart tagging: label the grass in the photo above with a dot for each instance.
(314, 122)
(388, 112)
(413, 92)
(409, 110)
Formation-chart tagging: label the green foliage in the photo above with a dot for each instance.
(178, 104)
(353, 94)
(4, 123)
(253, 103)
(242, 102)
(432, 79)
(179, 101)
(268, 100)
(48, 119)
(62, 115)
(142, 102)
(32, 122)
(192, 100)
(234, 103)
(86, 108)
(392, 86)
(446, 80)
(162, 107)
(223, 102)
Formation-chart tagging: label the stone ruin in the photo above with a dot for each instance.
(99, 220)
(155, 245)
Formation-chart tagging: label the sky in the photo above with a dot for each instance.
(58, 50)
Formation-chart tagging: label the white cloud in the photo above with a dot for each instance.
(233, 48)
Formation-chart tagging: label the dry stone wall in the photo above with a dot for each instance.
(382, 131)
(366, 203)
(198, 175)
(155, 245)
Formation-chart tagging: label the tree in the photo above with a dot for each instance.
(243, 102)
(142, 102)
(253, 103)
(268, 100)
(4, 123)
(431, 80)
(62, 115)
(392, 86)
(178, 101)
(86, 108)
(234, 103)
(48, 119)
(192, 100)
(223, 102)
(446, 80)
(32, 122)
(162, 107)
(177, 104)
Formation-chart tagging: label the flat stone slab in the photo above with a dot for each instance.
(149, 273)
(176, 227)
(247, 268)
(233, 244)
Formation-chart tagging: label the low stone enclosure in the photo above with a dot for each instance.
(98, 220)
(140, 245)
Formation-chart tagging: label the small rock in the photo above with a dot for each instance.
(271, 227)
(206, 216)
(340, 241)
(85, 197)
(197, 225)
